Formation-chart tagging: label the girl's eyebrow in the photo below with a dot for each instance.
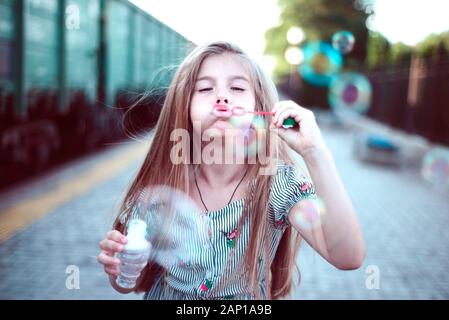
(230, 78)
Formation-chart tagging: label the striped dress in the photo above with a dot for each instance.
(211, 269)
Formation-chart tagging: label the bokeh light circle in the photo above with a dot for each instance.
(435, 167)
(321, 63)
(343, 41)
(350, 93)
(294, 55)
(310, 213)
(295, 35)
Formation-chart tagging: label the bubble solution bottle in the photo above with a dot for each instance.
(135, 254)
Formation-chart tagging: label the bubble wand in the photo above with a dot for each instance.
(240, 111)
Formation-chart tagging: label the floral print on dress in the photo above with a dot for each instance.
(204, 289)
(184, 264)
(281, 223)
(306, 188)
(230, 238)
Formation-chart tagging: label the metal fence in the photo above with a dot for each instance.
(414, 98)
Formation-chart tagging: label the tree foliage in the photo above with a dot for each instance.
(320, 19)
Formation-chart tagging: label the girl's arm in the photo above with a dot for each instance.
(338, 238)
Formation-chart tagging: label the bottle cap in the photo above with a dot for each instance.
(137, 227)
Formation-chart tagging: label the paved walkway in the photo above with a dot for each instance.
(404, 221)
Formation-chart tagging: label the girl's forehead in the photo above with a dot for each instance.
(223, 65)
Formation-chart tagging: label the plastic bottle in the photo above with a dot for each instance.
(135, 254)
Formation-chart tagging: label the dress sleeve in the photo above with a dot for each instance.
(289, 188)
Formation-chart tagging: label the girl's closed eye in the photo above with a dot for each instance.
(237, 89)
(205, 89)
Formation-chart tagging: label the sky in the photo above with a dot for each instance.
(244, 22)
(417, 19)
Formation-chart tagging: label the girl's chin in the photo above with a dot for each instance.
(221, 128)
(223, 125)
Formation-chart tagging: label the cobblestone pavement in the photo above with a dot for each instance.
(404, 222)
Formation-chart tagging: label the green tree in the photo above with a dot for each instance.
(383, 54)
(378, 50)
(320, 19)
(400, 54)
(433, 43)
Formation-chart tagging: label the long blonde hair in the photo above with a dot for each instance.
(175, 115)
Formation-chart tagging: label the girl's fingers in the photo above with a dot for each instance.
(279, 111)
(286, 105)
(107, 259)
(113, 243)
(116, 236)
(113, 271)
(109, 245)
(276, 109)
(287, 113)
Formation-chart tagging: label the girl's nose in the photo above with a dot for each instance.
(222, 100)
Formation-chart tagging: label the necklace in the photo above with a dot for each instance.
(201, 197)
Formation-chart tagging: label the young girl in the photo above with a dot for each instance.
(256, 219)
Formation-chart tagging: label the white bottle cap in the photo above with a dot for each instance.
(137, 235)
(137, 227)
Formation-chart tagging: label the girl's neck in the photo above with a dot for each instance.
(219, 175)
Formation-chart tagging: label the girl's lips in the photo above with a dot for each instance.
(222, 111)
(221, 107)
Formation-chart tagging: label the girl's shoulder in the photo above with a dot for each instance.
(289, 175)
(289, 186)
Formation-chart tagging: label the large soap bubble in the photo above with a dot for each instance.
(350, 93)
(321, 63)
(176, 227)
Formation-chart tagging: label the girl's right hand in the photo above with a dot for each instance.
(112, 244)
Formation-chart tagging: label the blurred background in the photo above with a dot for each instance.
(375, 73)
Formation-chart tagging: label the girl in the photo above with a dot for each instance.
(256, 219)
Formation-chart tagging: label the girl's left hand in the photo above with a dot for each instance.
(302, 138)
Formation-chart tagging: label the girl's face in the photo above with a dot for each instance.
(222, 79)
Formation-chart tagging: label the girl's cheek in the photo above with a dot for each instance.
(199, 115)
(194, 111)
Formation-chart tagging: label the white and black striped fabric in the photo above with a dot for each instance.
(210, 271)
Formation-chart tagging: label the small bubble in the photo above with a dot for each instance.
(343, 41)
(310, 213)
(435, 167)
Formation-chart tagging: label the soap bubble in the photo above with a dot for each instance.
(343, 41)
(321, 62)
(176, 227)
(435, 168)
(350, 93)
(309, 213)
(250, 132)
